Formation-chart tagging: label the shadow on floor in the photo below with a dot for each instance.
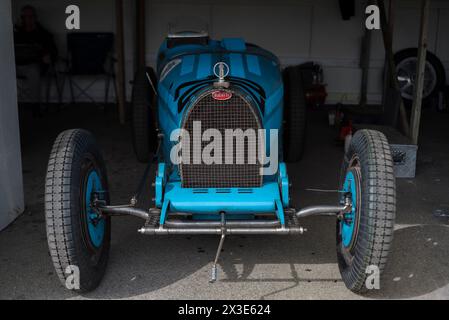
(179, 266)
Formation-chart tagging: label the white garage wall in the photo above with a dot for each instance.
(11, 187)
(296, 30)
(305, 30)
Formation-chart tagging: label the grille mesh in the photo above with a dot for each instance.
(235, 113)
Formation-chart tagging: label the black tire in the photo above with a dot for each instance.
(411, 55)
(294, 115)
(144, 114)
(369, 158)
(74, 155)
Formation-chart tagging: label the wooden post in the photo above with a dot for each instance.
(388, 44)
(140, 34)
(387, 79)
(120, 50)
(422, 53)
(364, 64)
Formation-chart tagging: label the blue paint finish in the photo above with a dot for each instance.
(237, 68)
(250, 63)
(159, 184)
(159, 191)
(234, 44)
(163, 93)
(217, 217)
(347, 228)
(284, 184)
(164, 211)
(204, 66)
(274, 105)
(280, 212)
(207, 201)
(253, 64)
(168, 112)
(95, 226)
(187, 65)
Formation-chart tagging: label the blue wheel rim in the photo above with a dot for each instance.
(95, 225)
(348, 224)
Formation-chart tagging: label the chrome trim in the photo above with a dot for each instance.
(188, 34)
(218, 231)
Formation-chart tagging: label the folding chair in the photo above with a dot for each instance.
(90, 55)
(27, 59)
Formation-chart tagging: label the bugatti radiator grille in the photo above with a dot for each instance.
(236, 169)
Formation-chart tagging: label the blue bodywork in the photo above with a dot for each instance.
(183, 72)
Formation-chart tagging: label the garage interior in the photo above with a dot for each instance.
(261, 267)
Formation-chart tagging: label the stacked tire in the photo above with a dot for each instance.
(144, 101)
(295, 112)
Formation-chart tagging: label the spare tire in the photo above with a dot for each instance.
(434, 78)
(144, 101)
(294, 130)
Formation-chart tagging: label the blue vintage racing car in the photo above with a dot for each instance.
(220, 120)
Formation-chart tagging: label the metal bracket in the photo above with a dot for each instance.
(280, 212)
(164, 212)
(151, 84)
(220, 247)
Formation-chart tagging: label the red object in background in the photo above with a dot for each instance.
(345, 130)
(316, 95)
(314, 87)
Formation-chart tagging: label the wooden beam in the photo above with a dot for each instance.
(140, 34)
(365, 59)
(422, 53)
(388, 44)
(364, 65)
(387, 79)
(120, 51)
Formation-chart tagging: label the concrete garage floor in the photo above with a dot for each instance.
(262, 267)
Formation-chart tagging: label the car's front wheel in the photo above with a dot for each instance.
(365, 234)
(78, 237)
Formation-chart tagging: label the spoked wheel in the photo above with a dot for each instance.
(434, 75)
(78, 236)
(365, 234)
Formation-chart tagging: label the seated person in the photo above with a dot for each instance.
(35, 52)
